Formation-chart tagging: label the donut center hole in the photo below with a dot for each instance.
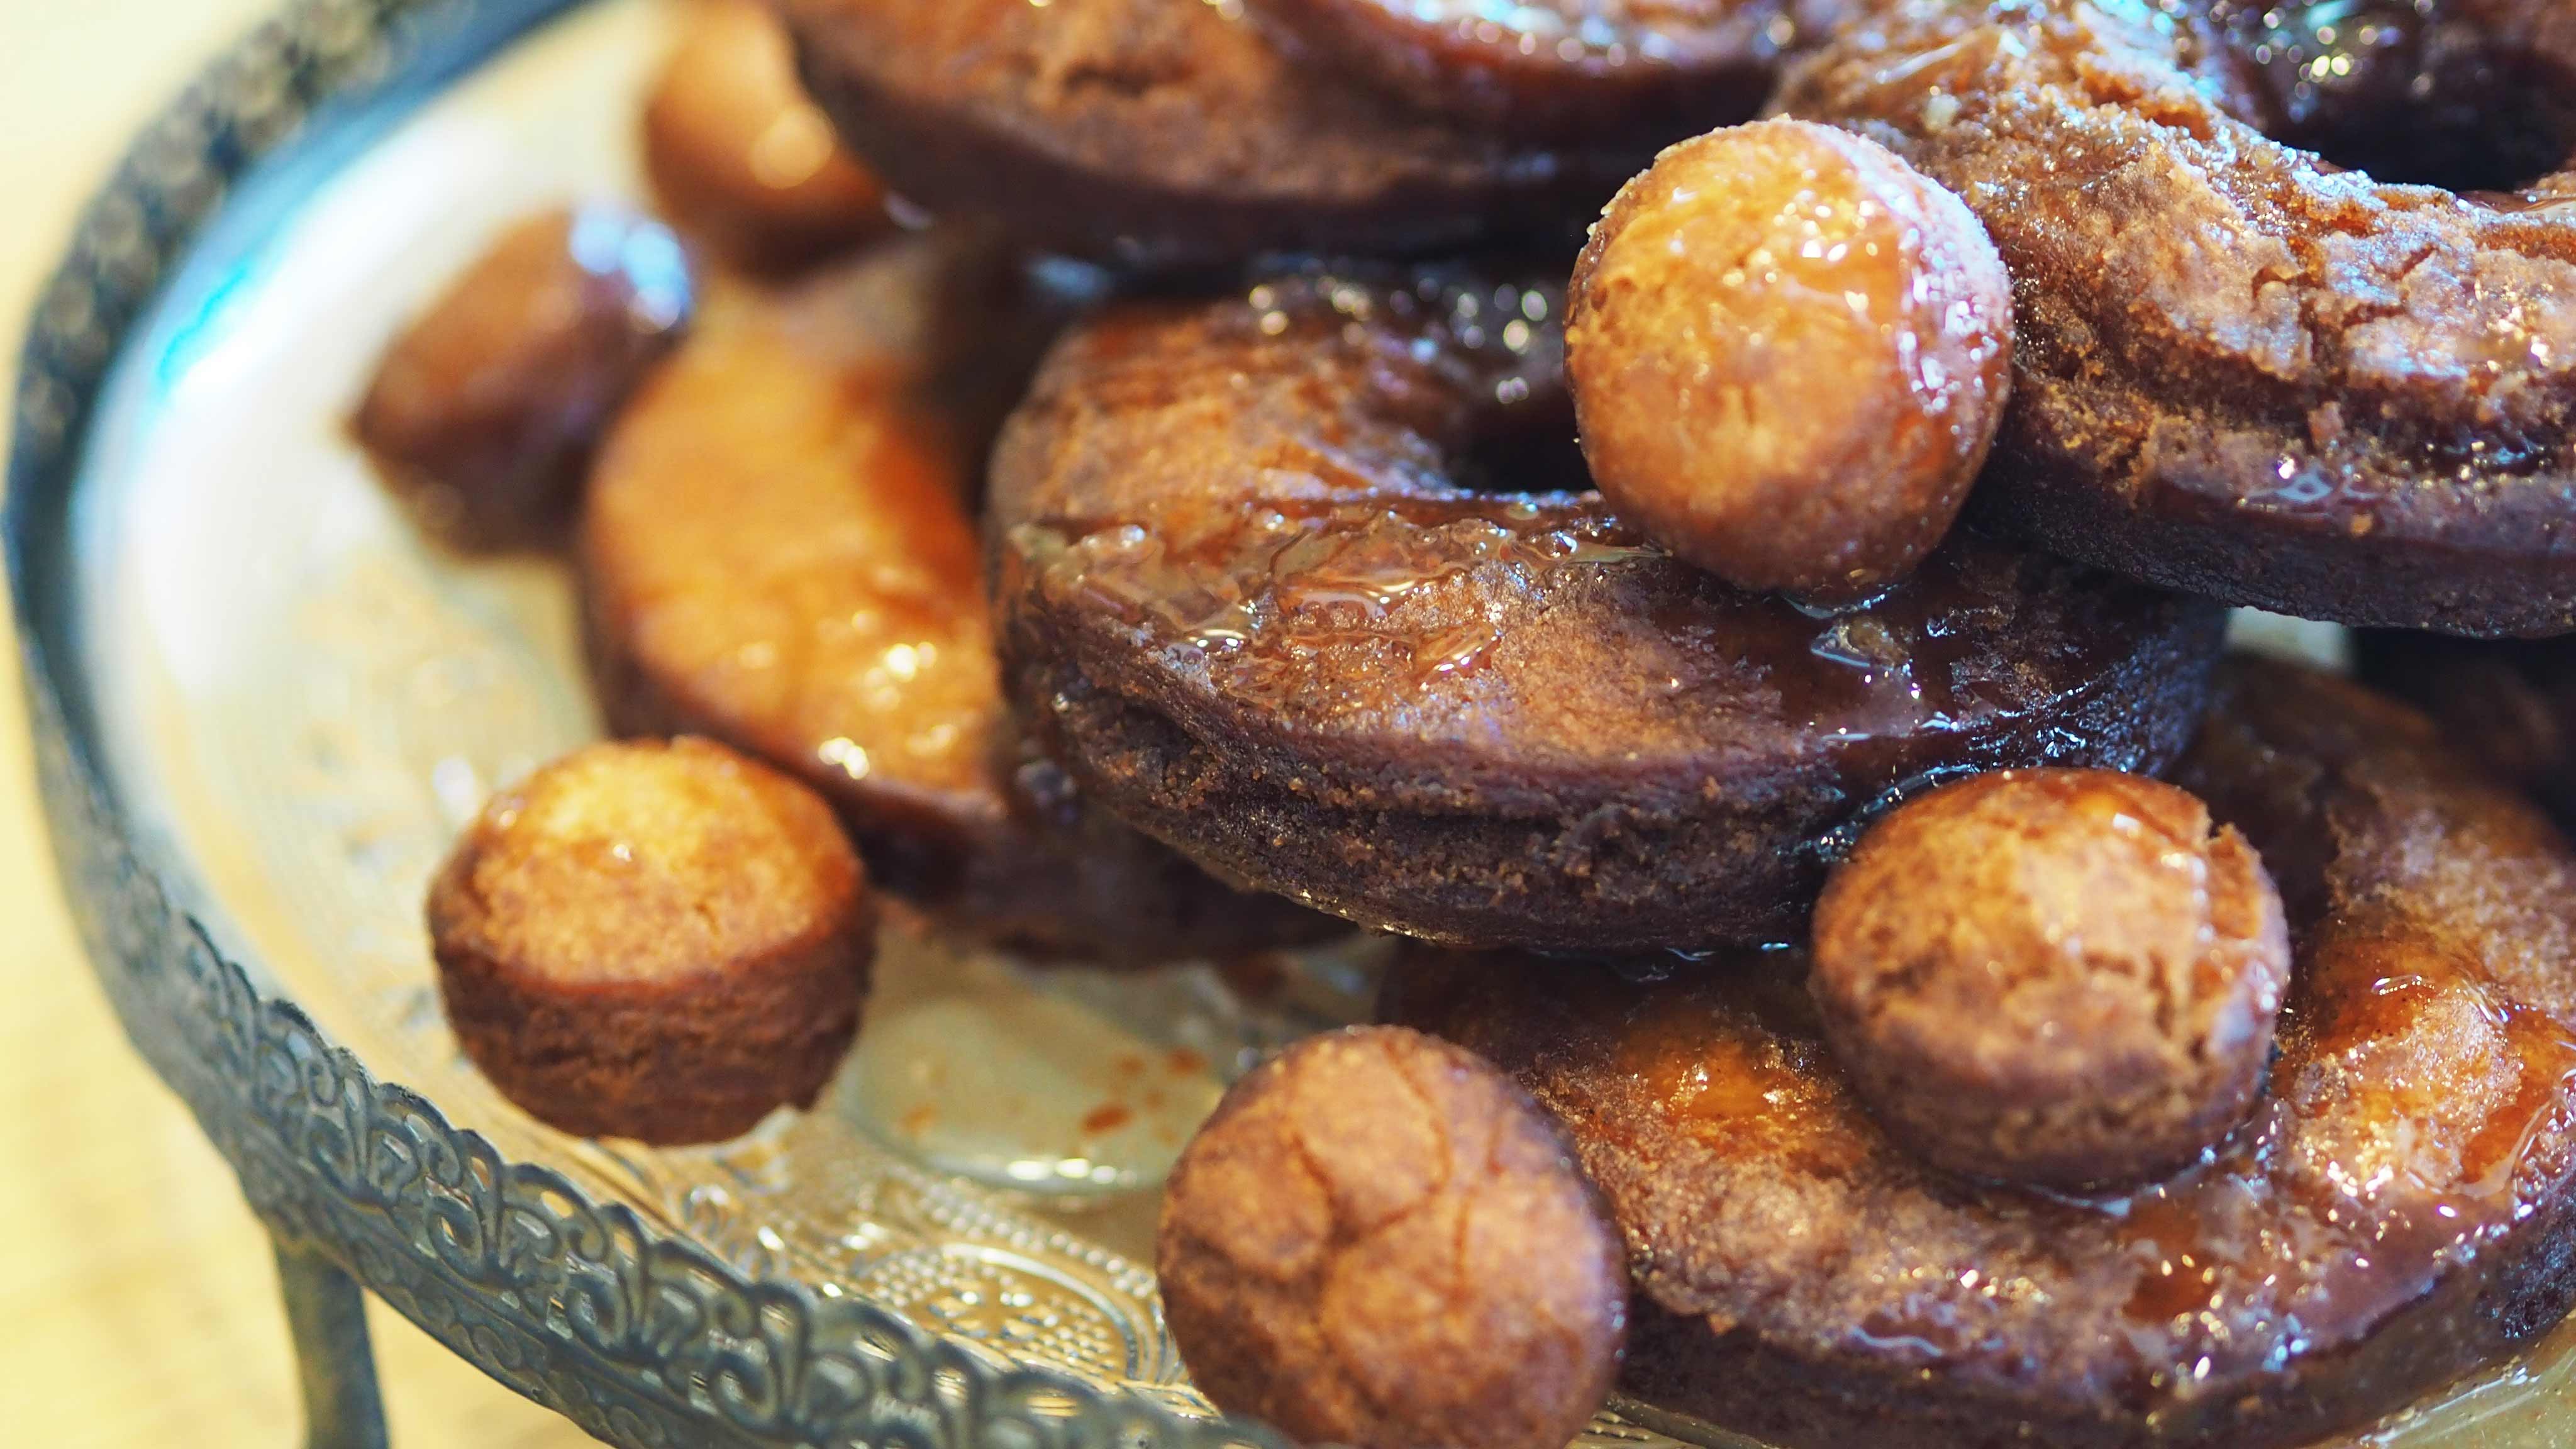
(1528, 447)
(2375, 86)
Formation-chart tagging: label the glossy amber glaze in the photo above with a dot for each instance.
(778, 551)
(2392, 1214)
(776, 527)
(1333, 531)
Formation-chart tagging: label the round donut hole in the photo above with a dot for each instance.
(1380, 1240)
(738, 156)
(2375, 87)
(1789, 351)
(662, 940)
(2067, 978)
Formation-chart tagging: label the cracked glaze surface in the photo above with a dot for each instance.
(1378, 1239)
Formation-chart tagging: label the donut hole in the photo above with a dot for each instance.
(2373, 86)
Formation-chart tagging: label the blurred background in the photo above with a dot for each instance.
(138, 1304)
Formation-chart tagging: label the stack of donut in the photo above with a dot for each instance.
(1880, 976)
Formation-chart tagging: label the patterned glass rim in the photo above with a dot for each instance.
(641, 1336)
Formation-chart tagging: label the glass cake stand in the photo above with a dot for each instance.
(262, 708)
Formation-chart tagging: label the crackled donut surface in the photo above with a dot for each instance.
(1566, 68)
(1164, 131)
(2273, 375)
(1379, 1239)
(1310, 584)
(2398, 1209)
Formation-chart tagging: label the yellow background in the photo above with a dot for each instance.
(137, 1302)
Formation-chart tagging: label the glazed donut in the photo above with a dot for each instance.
(1156, 132)
(2401, 1208)
(1566, 69)
(1300, 583)
(777, 552)
(2243, 370)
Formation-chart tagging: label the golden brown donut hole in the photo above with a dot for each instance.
(1789, 352)
(658, 940)
(481, 417)
(738, 154)
(1378, 1240)
(2057, 977)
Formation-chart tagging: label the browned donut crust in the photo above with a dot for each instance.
(1157, 132)
(1252, 597)
(777, 552)
(2401, 1208)
(2241, 371)
(663, 941)
(1566, 69)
